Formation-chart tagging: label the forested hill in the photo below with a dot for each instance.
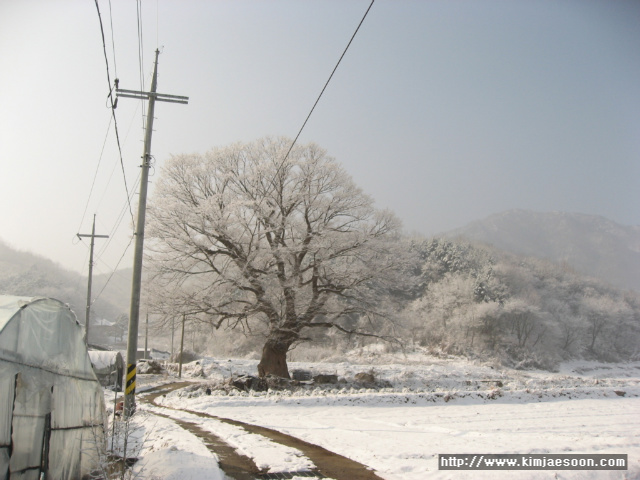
(29, 275)
(592, 245)
(479, 300)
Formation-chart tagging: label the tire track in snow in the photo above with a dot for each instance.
(329, 464)
(234, 464)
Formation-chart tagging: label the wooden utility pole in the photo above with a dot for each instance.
(181, 347)
(88, 309)
(173, 329)
(146, 337)
(134, 312)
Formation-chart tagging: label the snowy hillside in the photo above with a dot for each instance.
(28, 274)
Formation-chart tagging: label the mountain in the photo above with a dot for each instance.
(592, 245)
(117, 290)
(29, 275)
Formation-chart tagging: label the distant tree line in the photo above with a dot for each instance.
(476, 300)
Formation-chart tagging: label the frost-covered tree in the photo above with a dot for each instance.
(277, 246)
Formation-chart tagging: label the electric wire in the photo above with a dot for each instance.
(319, 96)
(98, 256)
(113, 43)
(113, 169)
(84, 262)
(119, 220)
(115, 123)
(123, 210)
(129, 196)
(115, 227)
(113, 271)
(140, 53)
(113, 109)
(95, 175)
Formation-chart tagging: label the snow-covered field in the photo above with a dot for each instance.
(428, 406)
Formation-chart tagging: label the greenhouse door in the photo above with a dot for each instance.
(30, 429)
(7, 401)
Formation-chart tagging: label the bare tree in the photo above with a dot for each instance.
(522, 318)
(278, 247)
(599, 311)
(569, 333)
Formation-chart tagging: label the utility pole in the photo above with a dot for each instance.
(88, 309)
(134, 312)
(173, 329)
(181, 347)
(146, 336)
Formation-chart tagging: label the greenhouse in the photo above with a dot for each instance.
(52, 415)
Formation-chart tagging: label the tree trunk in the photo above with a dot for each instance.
(274, 359)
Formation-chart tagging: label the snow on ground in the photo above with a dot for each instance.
(265, 453)
(431, 406)
(166, 451)
(404, 442)
(172, 453)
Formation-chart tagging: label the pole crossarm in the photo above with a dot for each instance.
(94, 236)
(160, 97)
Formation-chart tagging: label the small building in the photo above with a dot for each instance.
(52, 414)
(152, 354)
(109, 368)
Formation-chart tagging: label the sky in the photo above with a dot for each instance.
(443, 111)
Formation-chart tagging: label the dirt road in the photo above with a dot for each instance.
(328, 464)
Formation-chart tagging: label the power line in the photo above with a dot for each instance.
(323, 89)
(140, 51)
(113, 107)
(123, 210)
(113, 169)
(95, 175)
(84, 262)
(119, 219)
(114, 270)
(113, 43)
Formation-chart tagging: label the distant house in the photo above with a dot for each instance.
(109, 368)
(152, 353)
(52, 415)
(107, 332)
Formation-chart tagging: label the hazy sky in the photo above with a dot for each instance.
(443, 111)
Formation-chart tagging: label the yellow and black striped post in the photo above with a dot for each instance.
(130, 390)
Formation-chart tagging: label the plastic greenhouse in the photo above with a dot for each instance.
(52, 415)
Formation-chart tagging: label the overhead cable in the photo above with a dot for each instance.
(95, 175)
(114, 270)
(323, 89)
(113, 109)
(140, 52)
(113, 43)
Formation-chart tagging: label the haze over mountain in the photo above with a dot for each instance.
(27, 274)
(593, 245)
(469, 298)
